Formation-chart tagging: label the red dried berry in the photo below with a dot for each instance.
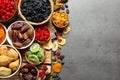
(42, 74)
(58, 53)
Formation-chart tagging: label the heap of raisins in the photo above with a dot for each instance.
(36, 10)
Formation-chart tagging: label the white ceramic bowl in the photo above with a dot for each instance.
(5, 34)
(10, 41)
(20, 62)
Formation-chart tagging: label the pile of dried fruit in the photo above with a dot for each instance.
(7, 9)
(9, 60)
(28, 72)
(35, 54)
(21, 34)
(2, 34)
(36, 10)
(60, 19)
(45, 54)
(42, 33)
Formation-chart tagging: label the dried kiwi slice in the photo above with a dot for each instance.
(35, 48)
(28, 53)
(40, 55)
(33, 58)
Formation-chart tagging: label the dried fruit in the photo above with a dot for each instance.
(57, 67)
(60, 19)
(36, 10)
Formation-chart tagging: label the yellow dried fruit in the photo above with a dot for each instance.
(66, 30)
(60, 19)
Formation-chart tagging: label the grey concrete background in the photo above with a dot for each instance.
(92, 51)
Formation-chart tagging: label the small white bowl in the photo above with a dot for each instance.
(20, 62)
(10, 41)
(5, 34)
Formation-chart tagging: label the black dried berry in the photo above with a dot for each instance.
(66, 6)
(63, 8)
(36, 10)
(67, 11)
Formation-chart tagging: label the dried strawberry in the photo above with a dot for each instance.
(58, 53)
(42, 74)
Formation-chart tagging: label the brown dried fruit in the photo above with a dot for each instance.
(26, 42)
(20, 36)
(14, 35)
(56, 8)
(25, 36)
(64, 1)
(10, 33)
(17, 44)
(24, 28)
(30, 33)
(17, 26)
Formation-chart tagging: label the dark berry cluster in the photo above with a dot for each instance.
(36, 10)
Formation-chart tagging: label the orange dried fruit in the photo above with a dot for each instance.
(57, 67)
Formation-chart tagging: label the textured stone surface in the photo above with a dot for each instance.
(93, 46)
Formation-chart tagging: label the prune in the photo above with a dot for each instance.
(34, 72)
(28, 76)
(24, 70)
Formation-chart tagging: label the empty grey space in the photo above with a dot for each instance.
(92, 51)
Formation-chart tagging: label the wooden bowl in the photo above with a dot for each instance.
(12, 17)
(42, 42)
(24, 66)
(33, 62)
(52, 20)
(35, 23)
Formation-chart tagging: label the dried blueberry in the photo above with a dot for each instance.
(67, 11)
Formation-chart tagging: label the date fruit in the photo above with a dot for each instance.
(21, 34)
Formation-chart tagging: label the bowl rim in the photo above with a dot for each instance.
(55, 24)
(20, 62)
(5, 34)
(35, 23)
(9, 40)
